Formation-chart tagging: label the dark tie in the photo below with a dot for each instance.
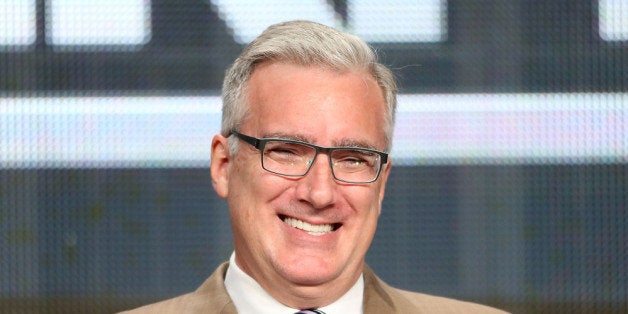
(310, 311)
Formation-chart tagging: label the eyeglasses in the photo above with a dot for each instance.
(295, 158)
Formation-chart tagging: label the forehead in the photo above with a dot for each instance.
(316, 104)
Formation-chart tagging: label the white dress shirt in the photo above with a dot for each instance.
(249, 297)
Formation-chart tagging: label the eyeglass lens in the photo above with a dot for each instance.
(295, 159)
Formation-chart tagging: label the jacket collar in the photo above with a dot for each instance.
(376, 292)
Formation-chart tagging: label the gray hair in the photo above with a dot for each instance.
(304, 43)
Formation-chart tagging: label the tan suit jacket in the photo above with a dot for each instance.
(212, 297)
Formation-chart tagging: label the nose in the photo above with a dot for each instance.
(317, 186)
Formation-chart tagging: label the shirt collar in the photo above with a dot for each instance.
(249, 297)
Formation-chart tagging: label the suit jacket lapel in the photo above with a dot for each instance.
(376, 298)
(215, 294)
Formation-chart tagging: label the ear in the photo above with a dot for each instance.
(219, 167)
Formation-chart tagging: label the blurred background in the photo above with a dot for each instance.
(510, 177)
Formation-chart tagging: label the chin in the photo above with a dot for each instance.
(311, 279)
(309, 274)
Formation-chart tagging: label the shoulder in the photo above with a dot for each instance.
(436, 304)
(186, 303)
(380, 298)
(211, 296)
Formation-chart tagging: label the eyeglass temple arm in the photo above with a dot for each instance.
(249, 139)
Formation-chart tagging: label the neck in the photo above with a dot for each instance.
(303, 294)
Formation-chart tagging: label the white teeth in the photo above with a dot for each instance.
(316, 230)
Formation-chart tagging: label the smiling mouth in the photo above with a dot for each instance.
(315, 230)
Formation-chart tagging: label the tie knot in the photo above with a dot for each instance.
(310, 311)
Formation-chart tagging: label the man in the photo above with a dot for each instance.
(302, 160)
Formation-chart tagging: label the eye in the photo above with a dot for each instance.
(352, 162)
(281, 150)
(354, 159)
(286, 150)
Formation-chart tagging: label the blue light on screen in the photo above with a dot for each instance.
(374, 21)
(98, 22)
(247, 19)
(613, 19)
(431, 129)
(401, 21)
(17, 22)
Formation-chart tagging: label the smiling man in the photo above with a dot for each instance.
(302, 160)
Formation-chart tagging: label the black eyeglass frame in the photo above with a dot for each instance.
(260, 143)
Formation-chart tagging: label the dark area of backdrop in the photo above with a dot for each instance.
(528, 220)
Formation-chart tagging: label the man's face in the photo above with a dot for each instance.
(321, 107)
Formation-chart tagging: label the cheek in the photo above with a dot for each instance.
(244, 175)
(367, 211)
(252, 189)
(365, 204)
(244, 192)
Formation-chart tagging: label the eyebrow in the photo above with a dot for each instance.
(347, 142)
(286, 136)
